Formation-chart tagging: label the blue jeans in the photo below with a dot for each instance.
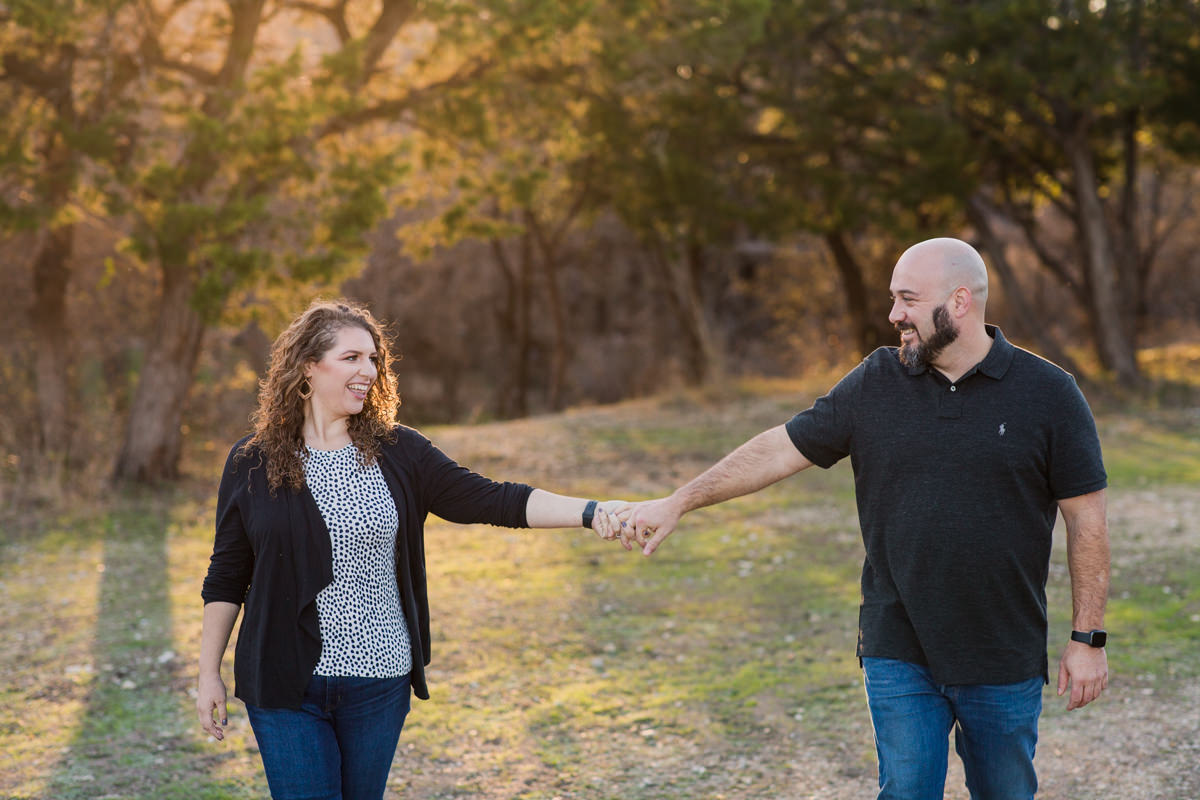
(339, 744)
(995, 733)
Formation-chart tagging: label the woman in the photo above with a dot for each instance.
(319, 534)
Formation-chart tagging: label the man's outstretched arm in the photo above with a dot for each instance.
(765, 459)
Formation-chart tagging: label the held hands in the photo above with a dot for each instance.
(610, 522)
(1085, 670)
(647, 524)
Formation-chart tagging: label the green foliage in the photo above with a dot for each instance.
(698, 124)
(49, 20)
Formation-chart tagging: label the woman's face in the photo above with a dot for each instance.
(341, 379)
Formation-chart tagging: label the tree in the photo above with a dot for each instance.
(667, 144)
(264, 165)
(65, 98)
(902, 119)
(1064, 103)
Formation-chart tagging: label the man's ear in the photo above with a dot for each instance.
(963, 301)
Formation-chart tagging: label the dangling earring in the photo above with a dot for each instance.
(304, 396)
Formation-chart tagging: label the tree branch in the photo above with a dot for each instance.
(158, 20)
(1056, 266)
(978, 212)
(246, 16)
(335, 15)
(391, 109)
(557, 235)
(392, 17)
(1183, 212)
(45, 81)
(150, 49)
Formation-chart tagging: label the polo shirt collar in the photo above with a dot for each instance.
(994, 364)
(1000, 357)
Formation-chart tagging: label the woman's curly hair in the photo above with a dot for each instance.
(279, 418)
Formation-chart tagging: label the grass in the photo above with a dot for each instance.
(563, 667)
(1153, 449)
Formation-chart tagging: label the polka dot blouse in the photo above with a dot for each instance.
(363, 631)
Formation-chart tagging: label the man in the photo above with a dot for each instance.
(963, 448)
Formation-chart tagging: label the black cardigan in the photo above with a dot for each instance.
(273, 553)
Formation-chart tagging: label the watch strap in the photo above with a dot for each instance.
(1092, 638)
(589, 511)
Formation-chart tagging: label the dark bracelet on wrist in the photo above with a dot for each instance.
(589, 511)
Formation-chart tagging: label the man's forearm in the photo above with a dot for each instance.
(767, 458)
(1088, 558)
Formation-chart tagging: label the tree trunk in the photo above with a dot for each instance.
(48, 320)
(561, 349)
(154, 437)
(256, 346)
(51, 260)
(711, 365)
(506, 319)
(870, 324)
(524, 325)
(1131, 277)
(977, 213)
(680, 278)
(514, 320)
(1114, 338)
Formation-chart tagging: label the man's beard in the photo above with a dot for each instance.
(924, 352)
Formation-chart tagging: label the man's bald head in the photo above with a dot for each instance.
(951, 263)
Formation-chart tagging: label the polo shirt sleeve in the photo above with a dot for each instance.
(1076, 464)
(823, 432)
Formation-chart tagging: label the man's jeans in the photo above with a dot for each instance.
(339, 745)
(995, 733)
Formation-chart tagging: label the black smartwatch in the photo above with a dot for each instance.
(589, 512)
(1093, 638)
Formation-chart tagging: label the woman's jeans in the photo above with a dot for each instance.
(339, 744)
(995, 733)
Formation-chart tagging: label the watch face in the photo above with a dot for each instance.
(1099, 639)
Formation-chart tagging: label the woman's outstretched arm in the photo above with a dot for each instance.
(548, 510)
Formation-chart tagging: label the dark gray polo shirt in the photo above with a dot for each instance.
(957, 487)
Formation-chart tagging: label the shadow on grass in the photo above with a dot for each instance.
(134, 739)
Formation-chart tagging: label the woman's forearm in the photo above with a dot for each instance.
(218, 622)
(548, 510)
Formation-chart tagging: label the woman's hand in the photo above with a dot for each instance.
(211, 706)
(609, 523)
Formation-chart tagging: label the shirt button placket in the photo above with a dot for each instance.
(950, 403)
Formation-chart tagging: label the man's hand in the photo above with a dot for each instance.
(1085, 670)
(654, 520)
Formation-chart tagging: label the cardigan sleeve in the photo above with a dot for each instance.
(232, 561)
(457, 494)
